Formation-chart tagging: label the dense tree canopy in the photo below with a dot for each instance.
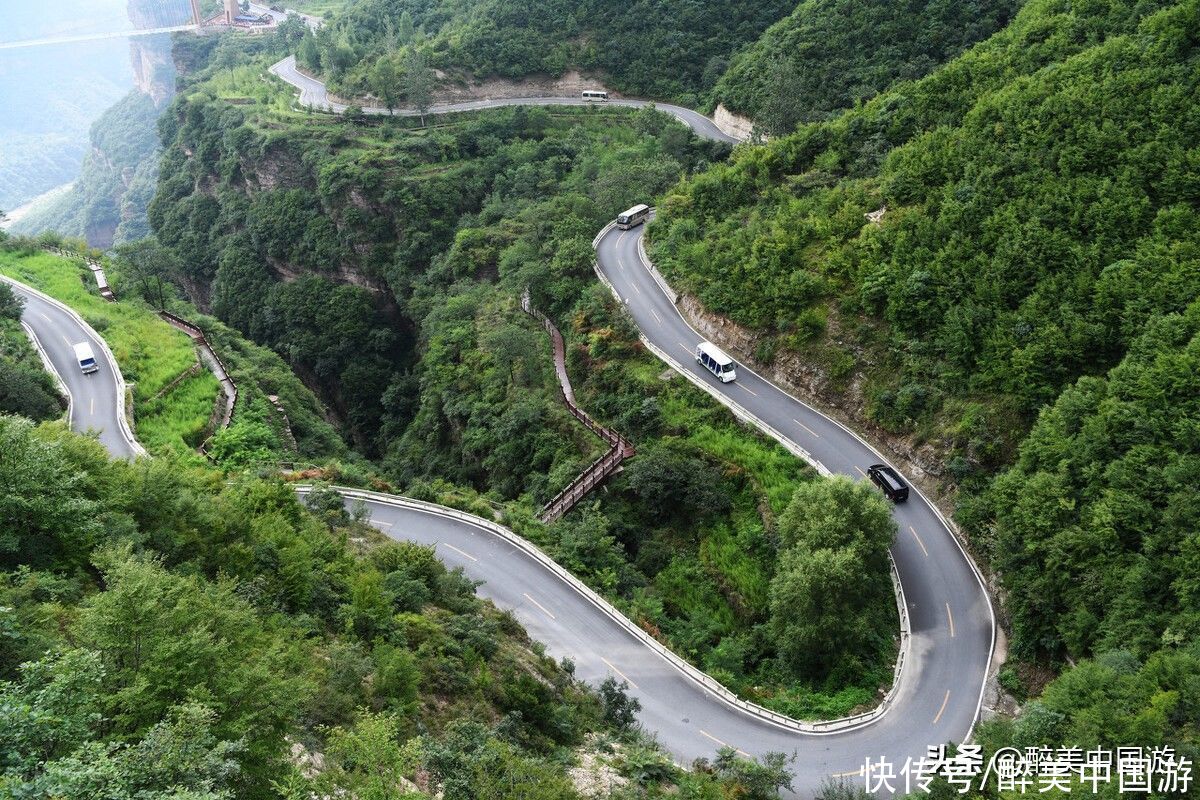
(629, 43)
(1040, 206)
(830, 54)
(1096, 527)
(831, 593)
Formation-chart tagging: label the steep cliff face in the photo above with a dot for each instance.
(107, 204)
(153, 69)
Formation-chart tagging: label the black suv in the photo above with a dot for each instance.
(887, 479)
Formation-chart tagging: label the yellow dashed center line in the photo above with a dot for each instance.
(620, 674)
(802, 425)
(539, 605)
(918, 538)
(723, 744)
(950, 617)
(460, 552)
(941, 710)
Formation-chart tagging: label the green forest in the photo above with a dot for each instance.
(366, 47)
(1025, 305)
(973, 232)
(171, 634)
(384, 262)
(829, 55)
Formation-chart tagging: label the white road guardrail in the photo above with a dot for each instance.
(690, 672)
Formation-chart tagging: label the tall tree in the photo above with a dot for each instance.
(784, 107)
(152, 268)
(419, 82)
(385, 82)
(830, 596)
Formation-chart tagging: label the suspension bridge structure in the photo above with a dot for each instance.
(148, 17)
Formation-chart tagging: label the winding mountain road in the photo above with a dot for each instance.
(950, 615)
(97, 401)
(313, 94)
(937, 698)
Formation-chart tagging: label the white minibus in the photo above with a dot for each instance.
(713, 359)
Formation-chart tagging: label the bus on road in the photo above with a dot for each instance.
(595, 95)
(633, 217)
(714, 359)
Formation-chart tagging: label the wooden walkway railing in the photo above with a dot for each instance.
(618, 448)
(215, 364)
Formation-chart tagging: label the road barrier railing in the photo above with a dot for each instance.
(693, 674)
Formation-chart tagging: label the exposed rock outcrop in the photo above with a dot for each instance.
(732, 124)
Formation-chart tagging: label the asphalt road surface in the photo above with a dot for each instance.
(939, 693)
(950, 615)
(95, 402)
(313, 93)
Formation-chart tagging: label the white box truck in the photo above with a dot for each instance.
(86, 358)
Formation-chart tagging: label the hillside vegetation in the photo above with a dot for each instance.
(25, 386)
(1040, 208)
(665, 49)
(828, 55)
(1041, 230)
(384, 260)
(170, 634)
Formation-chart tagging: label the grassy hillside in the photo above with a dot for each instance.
(828, 55)
(150, 352)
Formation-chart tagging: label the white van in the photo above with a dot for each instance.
(86, 358)
(713, 359)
